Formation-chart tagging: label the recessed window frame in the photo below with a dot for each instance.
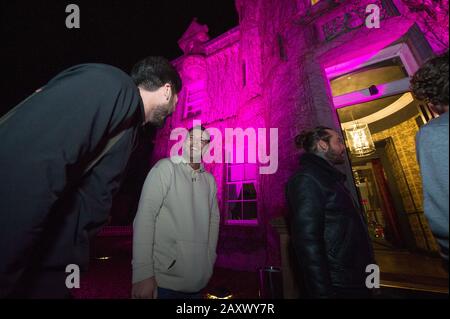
(241, 201)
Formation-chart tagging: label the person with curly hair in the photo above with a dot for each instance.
(430, 84)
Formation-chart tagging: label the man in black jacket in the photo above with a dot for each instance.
(328, 231)
(63, 153)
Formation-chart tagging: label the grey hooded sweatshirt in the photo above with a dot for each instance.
(176, 227)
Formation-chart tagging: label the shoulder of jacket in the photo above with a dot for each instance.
(440, 121)
(432, 128)
(107, 73)
(303, 177)
(165, 165)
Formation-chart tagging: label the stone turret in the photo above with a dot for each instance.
(193, 40)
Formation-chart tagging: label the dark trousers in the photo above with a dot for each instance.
(164, 293)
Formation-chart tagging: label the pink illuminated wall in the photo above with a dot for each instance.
(270, 72)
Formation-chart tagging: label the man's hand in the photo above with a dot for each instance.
(145, 289)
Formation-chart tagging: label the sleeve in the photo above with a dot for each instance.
(95, 193)
(154, 191)
(307, 228)
(214, 224)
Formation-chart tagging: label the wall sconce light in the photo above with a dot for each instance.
(373, 90)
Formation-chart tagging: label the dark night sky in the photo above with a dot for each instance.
(36, 43)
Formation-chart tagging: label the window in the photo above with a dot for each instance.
(241, 194)
(244, 74)
(242, 13)
(282, 51)
(369, 78)
(195, 99)
(386, 71)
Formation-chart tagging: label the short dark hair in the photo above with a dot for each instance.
(308, 139)
(430, 82)
(153, 72)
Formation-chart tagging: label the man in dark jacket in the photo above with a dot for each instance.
(63, 153)
(328, 231)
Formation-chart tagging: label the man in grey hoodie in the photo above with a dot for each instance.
(177, 225)
(430, 84)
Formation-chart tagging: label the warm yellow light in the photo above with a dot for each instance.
(313, 2)
(103, 258)
(360, 140)
(210, 296)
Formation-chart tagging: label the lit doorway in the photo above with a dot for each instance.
(379, 118)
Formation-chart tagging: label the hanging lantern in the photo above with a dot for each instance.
(360, 140)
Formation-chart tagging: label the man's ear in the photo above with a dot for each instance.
(167, 91)
(323, 145)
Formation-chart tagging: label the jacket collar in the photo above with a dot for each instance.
(309, 159)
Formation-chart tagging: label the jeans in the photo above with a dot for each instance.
(164, 293)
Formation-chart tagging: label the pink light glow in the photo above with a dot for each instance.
(364, 43)
(242, 222)
(349, 66)
(286, 94)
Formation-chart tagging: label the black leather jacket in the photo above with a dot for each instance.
(328, 230)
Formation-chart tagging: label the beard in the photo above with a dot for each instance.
(160, 113)
(334, 157)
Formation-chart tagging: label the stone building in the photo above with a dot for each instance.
(294, 64)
